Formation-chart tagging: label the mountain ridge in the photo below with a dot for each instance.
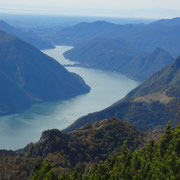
(28, 76)
(86, 145)
(29, 37)
(115, 54)
(144, 37)
(153, 103)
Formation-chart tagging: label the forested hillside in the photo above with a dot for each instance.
(87, 145)
(117, 55)
(28, 76)
(146, 37)
(151, 104)
(154, 161)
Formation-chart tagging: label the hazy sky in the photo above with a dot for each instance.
(136, 8)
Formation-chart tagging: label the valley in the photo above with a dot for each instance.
(89, 100)
(106, 87)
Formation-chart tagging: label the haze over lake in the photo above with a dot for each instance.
(106, 88)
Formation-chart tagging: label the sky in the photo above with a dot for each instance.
(113, 8)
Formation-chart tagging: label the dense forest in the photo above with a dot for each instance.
(154, 161)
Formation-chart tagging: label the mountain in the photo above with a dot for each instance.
(145, 66)
(154, 161)
(86, 145)
(83, 32)
(165, 82)
(98, 140)
(167, 22)
(104, 53)
(145, 37)
(153, 103)
(115, 54)
(29, 37)
(28, 76)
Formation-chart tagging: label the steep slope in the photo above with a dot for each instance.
(155, 35)
(166, 81)
(144, 67)
(145, 37)
(104, 53)
(83, 32)
(88, 144)
(154, 161)
(153, 103)
(29, 76)
(115, 54)
(29, 37)
(98, 140)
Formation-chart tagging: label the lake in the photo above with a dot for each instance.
(18, 130)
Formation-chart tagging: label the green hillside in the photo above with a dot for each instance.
(151, 104)
(154, 161)
(87, 145)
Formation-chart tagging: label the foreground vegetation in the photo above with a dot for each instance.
(87, 145)
(154, 161)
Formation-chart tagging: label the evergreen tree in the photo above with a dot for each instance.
(155, 161)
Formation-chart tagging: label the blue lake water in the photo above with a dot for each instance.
(18, 130)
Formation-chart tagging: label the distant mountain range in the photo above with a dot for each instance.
(115, 54)
(96, 136)
(146, 37)
(29, 37)
(91, 139)
(87, 145)
(136, 50)
(152, 104)
(28, 76)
